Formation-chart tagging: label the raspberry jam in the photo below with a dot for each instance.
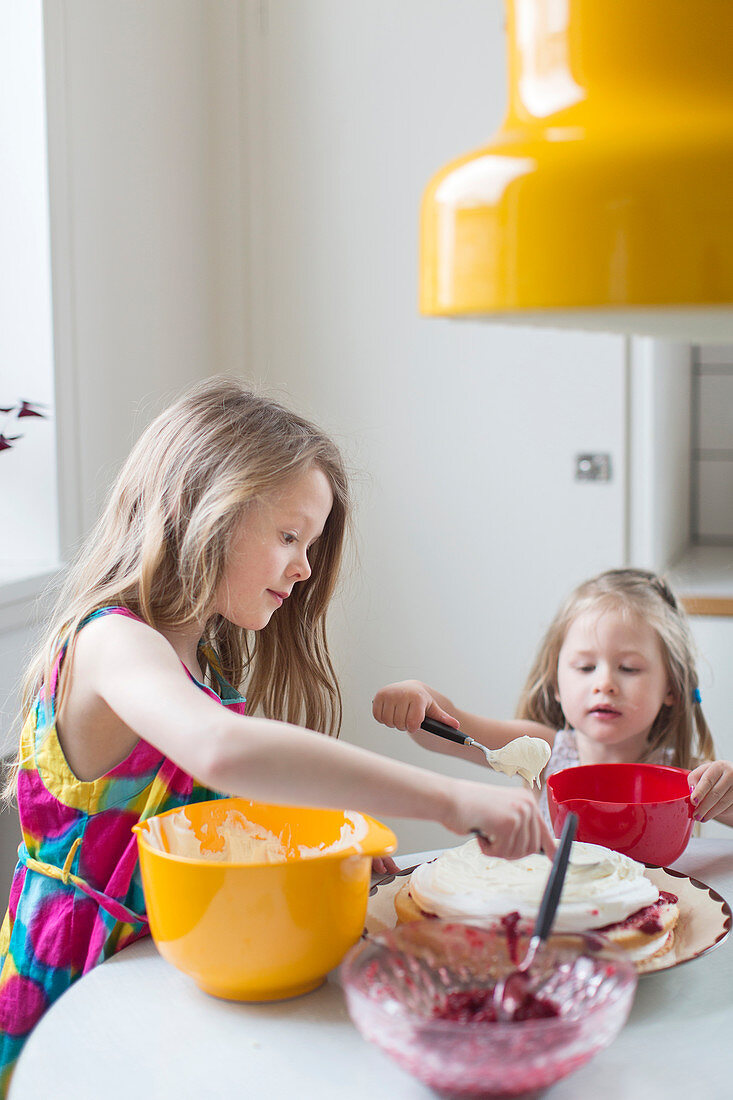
(646, 920)
(476, 1006)
(510, 925)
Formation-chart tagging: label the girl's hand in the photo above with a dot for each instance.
(403, 706)
(384, 865)
(508, 818)
(711, 789)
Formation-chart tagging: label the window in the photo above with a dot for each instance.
(28, 483)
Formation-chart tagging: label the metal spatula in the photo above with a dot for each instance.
(440, 729)
(495, 758)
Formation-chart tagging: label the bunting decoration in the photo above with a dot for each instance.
(19, 411)
(31, 408)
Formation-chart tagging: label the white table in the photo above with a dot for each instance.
(137, 1027)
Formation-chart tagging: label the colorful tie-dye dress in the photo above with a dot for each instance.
(76, 896)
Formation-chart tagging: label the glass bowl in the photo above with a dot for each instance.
(401, 985)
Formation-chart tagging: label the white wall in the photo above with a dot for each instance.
(461, 436)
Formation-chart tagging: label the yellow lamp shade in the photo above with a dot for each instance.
(605, 200)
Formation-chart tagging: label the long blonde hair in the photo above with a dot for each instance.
(160, 547)
(680, 726)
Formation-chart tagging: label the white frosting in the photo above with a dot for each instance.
(352, 833)
(601, 887)
(525, 756)
(239, 840)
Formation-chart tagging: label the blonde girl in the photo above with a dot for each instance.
(212, 566)
(614, 680)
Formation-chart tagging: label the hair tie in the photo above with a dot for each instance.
(696, 696)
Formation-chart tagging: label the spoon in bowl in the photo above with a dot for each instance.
(510, 992)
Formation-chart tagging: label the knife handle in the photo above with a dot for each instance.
(440, 729)
(556, 878)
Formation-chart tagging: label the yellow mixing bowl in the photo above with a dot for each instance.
(260, 931)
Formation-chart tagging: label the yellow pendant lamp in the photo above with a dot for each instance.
(605, 200)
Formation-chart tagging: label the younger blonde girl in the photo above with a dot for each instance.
(213, 564)
(614, 680)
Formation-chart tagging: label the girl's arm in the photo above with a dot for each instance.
(404, 705)
(136, 673)
(711, 790)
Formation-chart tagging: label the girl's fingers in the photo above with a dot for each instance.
(532, 839)
(713, 793)
(487, 845)
(434, 711)
(415, 715)
(711, 814)
(503, 848)
(717, 802)
(709, 809)
(382, 710)
(399, 718)
(495, 839)
(406, 710)
(518, 843)
(384, 865)
(724, 804)
(702, 788)
(388, 714)
(404, 707)
(525, 837)
(540, 837)
(548, 841)
(695, 775)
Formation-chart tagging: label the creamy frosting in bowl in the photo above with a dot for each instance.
(236, 839)
(601, 887)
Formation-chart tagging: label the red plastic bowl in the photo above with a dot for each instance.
(641, 810)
